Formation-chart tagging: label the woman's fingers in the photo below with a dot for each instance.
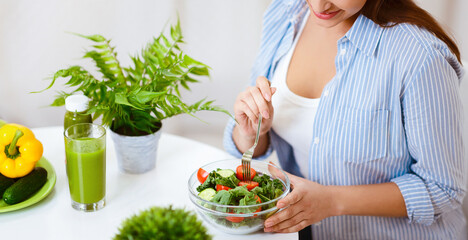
(294, 228)
(244, 110)
(278, 174)
(290, 199)
(249, 100)
(264, 85)
(256, 102)
(250, 103)
(306, 205)
(294, 196)
(260, 101)
(282, 216)
(288, 222)
(275, 172)
(273, 90)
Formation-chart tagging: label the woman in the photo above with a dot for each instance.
(363, 111)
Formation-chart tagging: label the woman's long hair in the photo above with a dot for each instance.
(388, 13)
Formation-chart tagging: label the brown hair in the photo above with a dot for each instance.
(388, 13)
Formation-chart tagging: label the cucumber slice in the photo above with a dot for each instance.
(207, 194)
(225, 172)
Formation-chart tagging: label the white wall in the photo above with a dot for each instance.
(459, 24)
(221, 33)
(224, 34)
(34, 44)
(452, 14)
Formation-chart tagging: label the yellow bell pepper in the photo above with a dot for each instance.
(19, 150)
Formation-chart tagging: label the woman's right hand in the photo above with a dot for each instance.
(251, 102)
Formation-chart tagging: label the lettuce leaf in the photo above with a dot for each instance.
(230, 181)
(210, 182)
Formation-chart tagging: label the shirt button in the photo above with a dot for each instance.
(325, 93)
(316, 140)
(343, 52)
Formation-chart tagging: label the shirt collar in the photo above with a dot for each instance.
(365, 35)
(288, 2)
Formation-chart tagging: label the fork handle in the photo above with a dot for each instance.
(258, 130)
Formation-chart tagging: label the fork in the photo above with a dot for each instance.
(247, 156)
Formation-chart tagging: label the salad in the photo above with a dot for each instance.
(228, 187)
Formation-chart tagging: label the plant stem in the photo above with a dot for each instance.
(12, 149)
(118, 63)
(169, 50)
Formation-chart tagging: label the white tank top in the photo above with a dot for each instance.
(293, 115)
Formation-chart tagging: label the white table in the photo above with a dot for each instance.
(54, 218)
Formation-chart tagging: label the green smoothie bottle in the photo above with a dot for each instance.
(76, 106)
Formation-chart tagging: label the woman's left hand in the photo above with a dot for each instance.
(308, 203)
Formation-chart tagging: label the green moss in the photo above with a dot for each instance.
(162, 223)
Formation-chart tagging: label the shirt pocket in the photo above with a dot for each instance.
(362, 135)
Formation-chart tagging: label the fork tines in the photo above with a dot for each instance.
(246, 158)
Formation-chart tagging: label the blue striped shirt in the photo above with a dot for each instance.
(392, 114)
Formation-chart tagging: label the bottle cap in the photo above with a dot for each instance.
(78, 103)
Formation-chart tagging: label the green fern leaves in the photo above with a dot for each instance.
(138, 97)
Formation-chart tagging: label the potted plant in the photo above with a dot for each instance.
(133, 101)
(163, 223)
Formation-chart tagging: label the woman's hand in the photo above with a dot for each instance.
(251, 102)
(248, 105)
(308, 203)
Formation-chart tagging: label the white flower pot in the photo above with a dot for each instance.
(136, 154)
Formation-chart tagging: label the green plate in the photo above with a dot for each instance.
(38, 196)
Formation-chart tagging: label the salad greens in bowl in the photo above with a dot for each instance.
(233, 204)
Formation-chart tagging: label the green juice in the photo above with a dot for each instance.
(86, 170)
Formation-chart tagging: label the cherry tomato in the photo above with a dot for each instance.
(235, 219)
(202, 175)
(258, 201)
(249, 184)
(220, 187)
(239, 173)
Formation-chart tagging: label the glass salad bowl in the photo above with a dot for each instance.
(238, 219)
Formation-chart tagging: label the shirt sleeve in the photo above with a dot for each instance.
(432, 117)
(231, 147)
